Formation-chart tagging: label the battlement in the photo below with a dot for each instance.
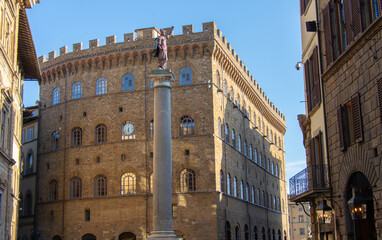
(209, 31)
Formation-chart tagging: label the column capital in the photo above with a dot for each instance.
(162, 77)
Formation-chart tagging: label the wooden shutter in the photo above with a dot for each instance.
(380, 97)
(327, 35)
(302, 6)
(348, 21)
(307, 85)
(357, 118)
(356, 18)
(340, 122)
(316, 78)
(311, 149)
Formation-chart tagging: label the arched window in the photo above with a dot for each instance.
(277, 170)
(185, 76)
(271, 137)
(100, 186)
(88, 236)
(249, 113)
(250, 152)
(260, 160)
(217, 76)
(226, 133)
(239, 143)
(235, 187)
(254, 118)
(28, 204)
(237, 233)
(258, 199)
(263, 199)
(256, 235)
(187, 180)
(227, 231)
(231, 94)
(273, 169)
(186, 126)
(76, 137)
(245, 147)
(263, 234)
(100, 133)
(101, 86)
(56, 96)
(76, 90)
(128, 184)
(253, 194)
(53, 190)
(29, 163)
(151, 182)
(128, 82)
(228, 184)
(238, 101)
(151, 129)
(246, 232)
(267, 132)
(21, 204)
(225, 87)
(247, 192)
(75, 187)
(221, 181)
(233, 138)
(55, 137)
(255, 155)
(128, 130)
(241, 190)
(22, 165)
(219, 128)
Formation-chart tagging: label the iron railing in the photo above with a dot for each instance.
(314, 177)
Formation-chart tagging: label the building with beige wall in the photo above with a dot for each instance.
(299, 221)
(349, 52)
(28, 170)
(96, 149)
(17, 61)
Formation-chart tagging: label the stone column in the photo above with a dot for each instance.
(162, 192)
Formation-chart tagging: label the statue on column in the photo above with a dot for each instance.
(160, 48)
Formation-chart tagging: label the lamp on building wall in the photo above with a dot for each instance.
(298, 65)
(324, 212)
(357, 206)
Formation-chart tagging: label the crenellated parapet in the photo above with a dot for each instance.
(137, 48)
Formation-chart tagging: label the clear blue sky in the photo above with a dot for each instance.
(265, 34)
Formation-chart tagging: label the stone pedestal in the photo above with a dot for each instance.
(162, 192)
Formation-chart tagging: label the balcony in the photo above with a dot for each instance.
(310, 183)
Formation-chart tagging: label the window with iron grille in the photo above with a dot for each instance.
(77, 90)
(186, 126)
(187, 180)
(75, 187)
(185, 76)
(128, 184)
(128, 82)
(101, 86)
(76, 137)
(56, 96)
(100, 186)
(100, 133)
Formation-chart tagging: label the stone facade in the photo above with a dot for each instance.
(299, 221)
(17, 61)
(212, 88)
(349, 50)
(28, 173)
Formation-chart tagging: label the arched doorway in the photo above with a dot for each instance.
(246, 232)
(89, 236)
(365, 228)
(237, 233)
(56, 237)
(127, 236)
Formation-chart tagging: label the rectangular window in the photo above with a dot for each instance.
(302, 231)
(350, 123)
(300, 218)
(87, 215)
(304, 5)
(23, 135)
(30, 134)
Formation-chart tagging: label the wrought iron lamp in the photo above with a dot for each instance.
(357, 206)
(324, 212)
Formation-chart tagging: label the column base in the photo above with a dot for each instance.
(162, 235)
